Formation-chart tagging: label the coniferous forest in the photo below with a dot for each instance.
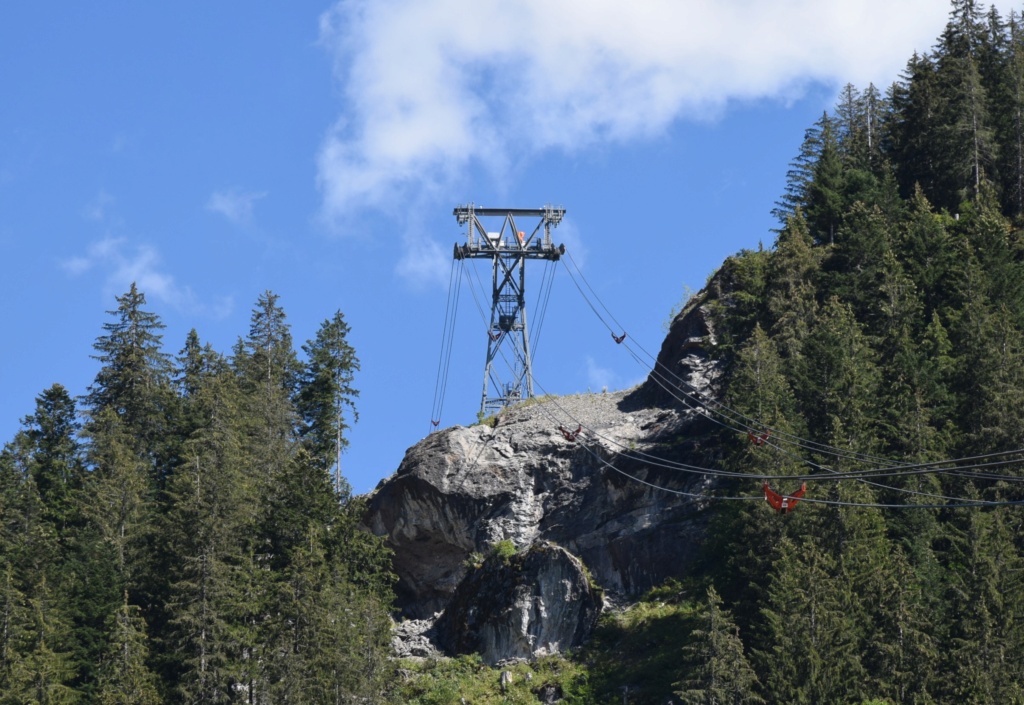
(180, 533)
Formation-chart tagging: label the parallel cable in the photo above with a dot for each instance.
(697, 400)
(957, 503)
(737, 421)
(447, 336)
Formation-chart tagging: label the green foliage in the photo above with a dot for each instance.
(195, 547)
(466, 678)
(503, 551)
(717, 671)
(640, 649)
(124, 677)
(326, 394)
(134, 382)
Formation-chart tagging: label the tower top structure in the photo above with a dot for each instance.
(508, 237)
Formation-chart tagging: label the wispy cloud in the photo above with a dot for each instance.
(99, 209)
(423, 263)
(121, 263)
(599, 379)
(236, 206)
(434, 86)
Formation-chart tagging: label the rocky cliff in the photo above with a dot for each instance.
(579, 473)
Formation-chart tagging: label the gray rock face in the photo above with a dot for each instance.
(604, 494)
(537, 603)
(463, 489)
(411, 639)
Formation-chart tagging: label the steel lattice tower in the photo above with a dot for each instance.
(508, 249)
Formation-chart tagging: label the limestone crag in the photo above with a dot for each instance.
(603, 494)
(536, 603)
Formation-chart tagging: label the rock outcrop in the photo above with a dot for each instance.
(535, 603)
(603, 495)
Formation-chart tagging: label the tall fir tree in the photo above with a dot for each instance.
(326, 397)
(809, 653)
(124, 675)
(716, 669)
(56, 464)
(134, 381)
(268, 369)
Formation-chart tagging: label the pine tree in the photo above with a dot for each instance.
(824, 203)
(927, 252)
(791, 288)
(838, 381)
(1010, 126)
(134, 382)
(36, 642)
(43, 671)
(801, 172)
(717, 671)
(329, 640)
(810, 650)
(118, 497)
(744, 538)
(965, 137)
(914, 124)
(902, 651)
(854, 271)
(859, 116)
(983, 582)
(56, 462)
(211, 525)
(124, 677)
(268, 370)
(325, 394)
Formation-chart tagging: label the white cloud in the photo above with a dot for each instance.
(434, 86)
(423, 263)
(122, 263)
(236, 206)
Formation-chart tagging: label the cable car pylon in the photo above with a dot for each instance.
(508, 248)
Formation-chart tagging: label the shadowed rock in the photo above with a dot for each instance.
(535, 603)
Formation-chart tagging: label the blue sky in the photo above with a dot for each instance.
(212, 151)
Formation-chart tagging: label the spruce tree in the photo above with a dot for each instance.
(744, 537)
(118, 498)
(210, 530)
(124, 677)
(267, 370)
(791, 288)
(134, 381)
(1011, 120)
(37, 643)
(902, 650)
(911, 131)
(56, 463)
(838, 382)
(716, 669)
(809, 653)
(982, 588)
(965, 139)
(326, 394)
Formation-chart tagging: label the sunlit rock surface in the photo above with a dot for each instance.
(604, 495)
